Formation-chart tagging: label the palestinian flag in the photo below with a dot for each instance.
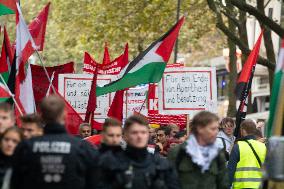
(276, 117)
(6, 58)
(7, 7)
(147, 67)
(4, 93)
(243, 87)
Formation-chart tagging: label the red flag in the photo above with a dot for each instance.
(94, 140)
(248, 68)
(106, 59)
(4, 92)
(6, 54)
(11, 4)
(25, 47)
(72, 118)
(96, 125)
(38, 27)
(116, 108)
(92, 102)
(115, 66)
(125, 58)
(89, 64)
(168, 41)
(243, 88)
(40, 81)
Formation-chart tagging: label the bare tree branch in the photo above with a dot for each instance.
(255, 12)
(236, 22)
(244, 48)
(267, 3)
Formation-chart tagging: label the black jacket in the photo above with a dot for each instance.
(103, 148)
(5, 164)
(135, 169)
(55, 160)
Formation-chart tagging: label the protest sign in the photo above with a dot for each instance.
(153, 112)
(75, 88)
(188, 90)
(135, 100)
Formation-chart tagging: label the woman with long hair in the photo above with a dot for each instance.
(225, 138)
(8, 143)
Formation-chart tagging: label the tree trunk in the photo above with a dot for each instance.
(233, 68)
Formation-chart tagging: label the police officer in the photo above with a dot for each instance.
(135, 167)
(246, 159)
(111, 136)
(54, 160)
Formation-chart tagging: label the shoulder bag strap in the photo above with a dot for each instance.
(224, 142)
(254, 152)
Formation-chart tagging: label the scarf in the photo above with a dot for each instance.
(201, 155)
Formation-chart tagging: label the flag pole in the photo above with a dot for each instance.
(50, 84)
(46, 73)
(142, 105)
(12, 95)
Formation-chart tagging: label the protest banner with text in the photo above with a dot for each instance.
(188, 90)
(75, 88)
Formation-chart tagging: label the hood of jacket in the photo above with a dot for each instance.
(223, 135)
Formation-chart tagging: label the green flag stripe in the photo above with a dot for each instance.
(274, 101)
(5, 76)
(150, 73)
(5, 10)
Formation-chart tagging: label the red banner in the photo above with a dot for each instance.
(89, 66)
(112, 68)
(40, 81)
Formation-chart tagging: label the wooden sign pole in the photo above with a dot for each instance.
(187, 124)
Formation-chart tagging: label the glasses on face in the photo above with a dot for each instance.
(15, 141)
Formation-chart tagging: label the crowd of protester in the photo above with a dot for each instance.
(41, 154)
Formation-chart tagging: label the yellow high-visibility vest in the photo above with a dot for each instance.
(248, 172)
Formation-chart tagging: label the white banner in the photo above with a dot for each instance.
(75, 88)
(188, 90)
(134, 101)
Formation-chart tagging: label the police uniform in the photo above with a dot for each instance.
(135, 169)
(103, 148)
(55, 160)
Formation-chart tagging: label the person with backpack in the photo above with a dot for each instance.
(199, 162)
(225, 138)
(246, 159)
